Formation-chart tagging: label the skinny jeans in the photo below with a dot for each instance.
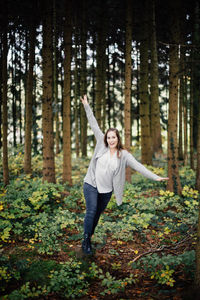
(95, 205)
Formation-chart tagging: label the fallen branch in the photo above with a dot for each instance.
(163, 248)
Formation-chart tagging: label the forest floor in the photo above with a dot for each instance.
(143, 249)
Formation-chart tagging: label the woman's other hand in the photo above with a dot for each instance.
(84, 99)
(162, 178)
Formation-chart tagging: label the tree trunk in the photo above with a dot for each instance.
(146, 147)
(1, 101)
(173, 168)
(191, 122)
(155, 107)
(13, 92)
(76, 96)
(127, 92)
(29, 102)
(35, 126)
(55, 81)
(5, 109)
(83, 88)
(185, 116)
(67, 96)
(47, 114)
(100, 69)
(181, 95)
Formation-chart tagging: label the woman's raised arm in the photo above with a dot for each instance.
(91, 119)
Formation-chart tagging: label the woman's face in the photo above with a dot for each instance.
(112, 139)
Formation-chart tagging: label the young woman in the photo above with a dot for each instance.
(105, 174)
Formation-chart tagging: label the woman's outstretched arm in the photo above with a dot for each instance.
(134, 164)
(91, 119)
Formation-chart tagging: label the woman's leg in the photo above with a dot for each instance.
(91, 195)
(102, 202)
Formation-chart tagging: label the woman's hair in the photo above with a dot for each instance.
(119, 144)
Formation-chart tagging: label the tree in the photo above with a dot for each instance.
(127, 92)
(5, 109)
(76, 92)
(154, 88)
(55, 76)
(83, 88)
(67, 96)
(173, 168)
(146, 146)
(100, 67)
(47, 114)
(29, 100)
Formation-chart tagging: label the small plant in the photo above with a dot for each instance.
(113, 285)
(70, 281)
(164, 276)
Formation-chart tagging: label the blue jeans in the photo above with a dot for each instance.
(95, 205)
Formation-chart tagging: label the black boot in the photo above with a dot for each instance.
(86, 244)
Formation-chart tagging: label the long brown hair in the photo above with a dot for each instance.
(119, 143)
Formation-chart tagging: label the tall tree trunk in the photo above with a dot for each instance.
(67, 96)
(29, 102)
(20, 113)
(5, 109)
(35, 126)
(13, 90)
(47, 114)
(146, 146)
(181, 95)
(100, 69)
(55, 81)
(155, 107)
(173, 168)
(191, 121)
(1, 101)
(137, 95)
(83, 88)
(185, 117)
(76, 95)
(127, 92)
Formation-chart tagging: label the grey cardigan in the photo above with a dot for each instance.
(126, 159)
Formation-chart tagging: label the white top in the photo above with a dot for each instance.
(105, 169)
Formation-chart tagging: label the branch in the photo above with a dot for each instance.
(163, 248)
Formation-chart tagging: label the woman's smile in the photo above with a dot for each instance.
(112, 139)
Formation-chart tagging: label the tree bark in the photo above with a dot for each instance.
(13, 92)
(155, 107)
(127, 92)
(173, 168)
(146, 146)
(191, 122)
(83, 88)
(29, 102)
(100, 69)
(5, 109)
(67, 96)
(1, 101)
(55, 81)
(185, 117)
(180, 127)
(76, 95)
(47, 114)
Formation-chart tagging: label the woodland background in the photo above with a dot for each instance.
(138, 62)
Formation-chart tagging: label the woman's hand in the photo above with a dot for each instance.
(84, 99)
(162, 178)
